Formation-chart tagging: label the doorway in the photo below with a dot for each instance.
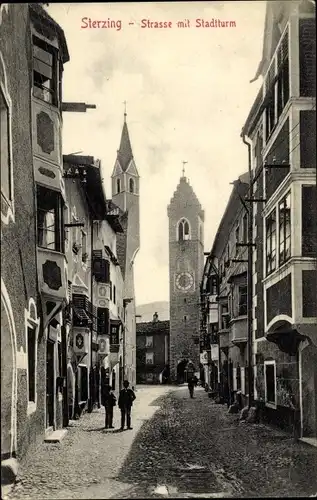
(181, 371)
(50, 383)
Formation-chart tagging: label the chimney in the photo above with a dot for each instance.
(155, 317)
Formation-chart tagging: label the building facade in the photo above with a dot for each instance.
(281, 132)
(125, 195)
(34, 274)
(152, 365)
(186, 261)
(224, 301)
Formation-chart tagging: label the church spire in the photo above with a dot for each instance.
(124, 153)
(183, 170)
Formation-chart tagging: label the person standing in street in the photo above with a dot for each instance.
(109, 401)
(191, 385)
(126, 398)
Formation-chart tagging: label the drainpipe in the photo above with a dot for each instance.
(250, 277)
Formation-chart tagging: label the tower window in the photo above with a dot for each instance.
(118, 186)
(131, 186)
(183, 230)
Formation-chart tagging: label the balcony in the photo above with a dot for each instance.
(239, 330)
(52, 270)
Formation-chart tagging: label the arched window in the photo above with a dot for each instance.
(118, 186)
(183, 230)
(131, 186)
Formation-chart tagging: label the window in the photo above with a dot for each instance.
(114, 294)
(243, 300)
(5, 148)
(131, 186)
(110, 290)
(271, 242)
(309, 218)
(270, 382)
(44, 72)
(185, 318)
(114, 337)
(282, 75)
(259, 147)
(100, 267)
(183, 230)
(118, 186)
(49, 219)
(285, 229)
(103, 320)
(277, 86)
(148, 341)
(149, 358)
(31, 362)
(270, 113)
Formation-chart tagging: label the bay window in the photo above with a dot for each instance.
(44, 72)
(271, 242)
(49, 219)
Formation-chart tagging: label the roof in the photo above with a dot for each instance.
(240, 188)
(185, 195)
(93, 187)
(153, 327)
(39, 14)
(124, 153)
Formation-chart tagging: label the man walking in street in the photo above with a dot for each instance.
(191, 385)
(125, 403)
(108, 400)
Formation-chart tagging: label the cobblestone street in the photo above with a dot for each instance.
(176, 448)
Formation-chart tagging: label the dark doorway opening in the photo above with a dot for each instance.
(181, 371)
(49, 383)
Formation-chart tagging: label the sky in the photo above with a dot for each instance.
(188, 94)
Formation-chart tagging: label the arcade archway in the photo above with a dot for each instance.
(181, 371)
(8, 378)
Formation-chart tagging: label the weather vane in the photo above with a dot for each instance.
(125, 108)
(183, 171)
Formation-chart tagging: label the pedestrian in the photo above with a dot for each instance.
(191, 385)
(125, 403)
(109, 401)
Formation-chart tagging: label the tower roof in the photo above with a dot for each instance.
(184, 195)
(124, 153)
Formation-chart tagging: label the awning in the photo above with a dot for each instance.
(287, 340)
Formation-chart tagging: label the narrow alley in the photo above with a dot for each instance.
(176, 449)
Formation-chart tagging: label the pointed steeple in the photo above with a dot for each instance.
(124, 153)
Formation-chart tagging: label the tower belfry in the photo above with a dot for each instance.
(186, 261)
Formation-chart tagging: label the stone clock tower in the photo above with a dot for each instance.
(186, 261)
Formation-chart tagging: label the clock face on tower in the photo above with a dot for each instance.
(184, 281)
